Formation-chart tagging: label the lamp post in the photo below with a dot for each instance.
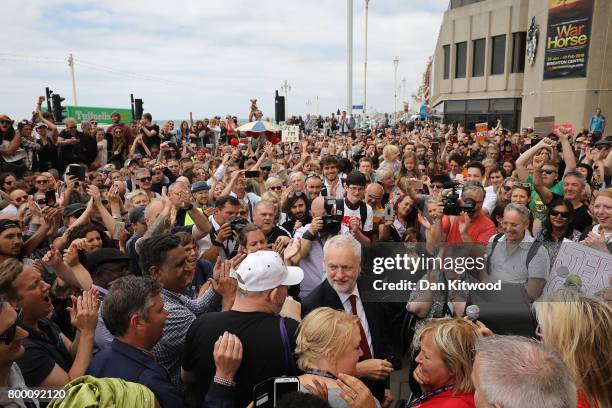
(286, 88)
(365, 61)
(395, 64)
(308, 105)
(404, 90)
(349, 56)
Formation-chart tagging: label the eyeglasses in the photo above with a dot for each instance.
(295, 194)
(9, 334)
(356, 188)
(373, 197)
(549, 171)
(41, 181)
(144, 179)
(22, 198)
(555, 213)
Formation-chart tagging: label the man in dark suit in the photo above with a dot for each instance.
(341, 290)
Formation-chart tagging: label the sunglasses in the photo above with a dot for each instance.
(72, 127)
(5, 122)
(144, 179)
(277, 188)
(549, 171)
(555, 213)
(41, 181)
(266, 168)
(9, 334)
(437, 186)
(507, 188)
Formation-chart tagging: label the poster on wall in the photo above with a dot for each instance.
(567, 38)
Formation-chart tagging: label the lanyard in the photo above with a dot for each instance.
(320, 373)
(430, 394)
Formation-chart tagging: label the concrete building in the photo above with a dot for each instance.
(481, 70)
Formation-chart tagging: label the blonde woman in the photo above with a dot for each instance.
(327, 345)
(445, 363)
(390, 156)
(579, 328)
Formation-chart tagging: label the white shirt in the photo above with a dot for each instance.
(344, 298)
(205, 243)
(490, 199)
(348, 214)
(339, 189)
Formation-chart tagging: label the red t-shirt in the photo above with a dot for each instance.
(446, 399)
(481, 229)
(582, 402)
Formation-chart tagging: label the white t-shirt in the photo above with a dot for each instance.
(102, 155)
(348, 214)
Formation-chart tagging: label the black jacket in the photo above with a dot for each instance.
(376, 314)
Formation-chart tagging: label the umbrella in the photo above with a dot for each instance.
(259, 126)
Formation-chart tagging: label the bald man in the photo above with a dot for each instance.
(373, 196)
(16, 199)
(310, 256)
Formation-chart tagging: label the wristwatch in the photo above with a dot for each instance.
(217, 243)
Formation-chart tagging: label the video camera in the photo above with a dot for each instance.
(331, 224)
(237, 224)
(451, 202)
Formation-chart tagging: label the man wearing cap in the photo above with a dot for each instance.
(105, 266)
(267, 340)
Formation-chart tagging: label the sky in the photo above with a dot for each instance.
(212, 57)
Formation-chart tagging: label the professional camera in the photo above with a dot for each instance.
(237, 224)
(331, 223)
(452, 205)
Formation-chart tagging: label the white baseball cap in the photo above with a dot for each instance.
(263, 270)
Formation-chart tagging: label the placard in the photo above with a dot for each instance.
(291, 134)
(543, 125)
(481, 131)
(578, 264)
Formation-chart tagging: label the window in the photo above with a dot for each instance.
(478, 106)
(519, 41)
(461, 52)
(478, 62)
(446, 50)
(454, 107)
(498, 54)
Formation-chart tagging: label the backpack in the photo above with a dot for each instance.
(363, 211)
(533, 250)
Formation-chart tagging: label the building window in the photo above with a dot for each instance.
(478, 62)
(519, 41)
(446, 50)
(461, 52)
(498, 54)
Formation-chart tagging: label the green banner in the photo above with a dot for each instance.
(101, 115)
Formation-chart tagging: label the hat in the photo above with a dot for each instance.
(72, 209)
(41, 125)
(264, 270)
(602, 143)
(6, 118)
(199, 186)
(104, 255)
(137, 215)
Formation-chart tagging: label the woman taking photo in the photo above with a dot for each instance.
(405, 227)
(12, 156)
(578, 327)
(445, 364)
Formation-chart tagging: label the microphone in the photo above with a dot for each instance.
(472, 312)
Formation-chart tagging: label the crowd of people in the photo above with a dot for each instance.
(196, 263)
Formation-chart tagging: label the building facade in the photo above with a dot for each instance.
(487, 65)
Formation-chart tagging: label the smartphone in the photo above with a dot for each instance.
(76, 170)
(435, 146)
(251, 174)
(50, 198)
(263, 394)
(389, 212)
(283, 386)
(118, 227)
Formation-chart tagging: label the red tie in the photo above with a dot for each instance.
(363, 344)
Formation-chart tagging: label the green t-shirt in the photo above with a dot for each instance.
(537, 207)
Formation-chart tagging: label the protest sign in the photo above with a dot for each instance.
(543, 125)
(290, 134)
(568, 126)
(579, 265)
(481, 131)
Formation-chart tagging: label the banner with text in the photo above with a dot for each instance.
(291, 134)
(567, 38)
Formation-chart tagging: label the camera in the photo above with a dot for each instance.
(237, 224)
(331, 224)
(452, 206)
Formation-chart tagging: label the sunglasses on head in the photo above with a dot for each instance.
(295, 194)
(9, 334)
(555, 213)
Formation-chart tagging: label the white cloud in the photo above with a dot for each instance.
(211, 58)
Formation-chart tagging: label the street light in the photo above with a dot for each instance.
(365, 61)
(308, 105)
(404, 90)
(286, 88)
(395, 64)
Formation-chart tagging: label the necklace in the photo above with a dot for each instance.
(430, 394)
